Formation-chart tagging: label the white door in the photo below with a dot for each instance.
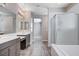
(66, 29)
(37, 30)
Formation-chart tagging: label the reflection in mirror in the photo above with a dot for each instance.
(21, 25)
(25, 25)
(6, 23)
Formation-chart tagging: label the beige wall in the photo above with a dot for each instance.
(45, 28)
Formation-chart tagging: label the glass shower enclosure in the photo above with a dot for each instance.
(64, 29)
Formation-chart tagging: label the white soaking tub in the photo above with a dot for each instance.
(65, 50)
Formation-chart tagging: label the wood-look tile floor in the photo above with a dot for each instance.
(38, 48)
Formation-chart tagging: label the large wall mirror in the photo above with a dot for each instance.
(7, 22)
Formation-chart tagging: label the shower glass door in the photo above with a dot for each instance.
(66, 29)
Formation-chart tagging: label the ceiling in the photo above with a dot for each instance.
(50, 5)
(42, 8)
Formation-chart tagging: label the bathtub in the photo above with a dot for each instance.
(64, 50)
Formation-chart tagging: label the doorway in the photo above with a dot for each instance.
(37, 29)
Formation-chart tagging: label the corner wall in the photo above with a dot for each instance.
(45, 28)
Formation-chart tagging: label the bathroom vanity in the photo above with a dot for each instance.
(25, 39)
(9, 45)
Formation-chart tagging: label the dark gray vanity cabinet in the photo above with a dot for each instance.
(25, 42)
(10, 48)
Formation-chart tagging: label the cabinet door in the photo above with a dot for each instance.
(12, 50)
(18, 49)
(4, 52)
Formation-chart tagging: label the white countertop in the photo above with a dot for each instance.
(21, 33)
(66, 50)
(7, 37)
